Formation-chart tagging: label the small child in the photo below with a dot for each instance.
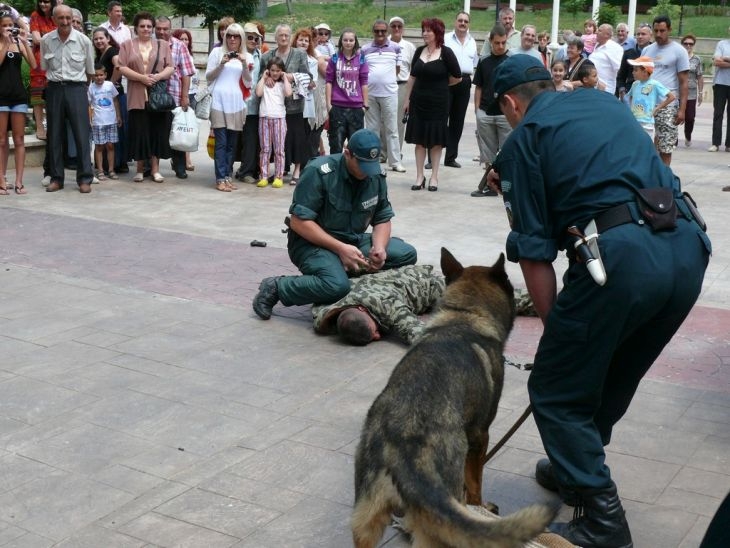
(272, 120)
(589, 37)
(558, 70)
(105, 118)
(647, 96)
(587, 76)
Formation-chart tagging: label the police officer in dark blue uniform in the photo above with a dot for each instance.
(609, 323)
(337, 199)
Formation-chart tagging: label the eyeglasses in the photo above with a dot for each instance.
(462, 21)
(379, 31)
(688, 43)
(252, 37)
(323, 33)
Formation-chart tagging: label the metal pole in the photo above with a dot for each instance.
(385, 6)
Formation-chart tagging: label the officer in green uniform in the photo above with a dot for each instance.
(598, 340)
(338, 197)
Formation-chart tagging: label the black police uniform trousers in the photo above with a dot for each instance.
(599, 342)
(68, 103)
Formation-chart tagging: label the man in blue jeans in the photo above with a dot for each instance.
(337, 199)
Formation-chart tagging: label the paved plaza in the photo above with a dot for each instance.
(142, 403)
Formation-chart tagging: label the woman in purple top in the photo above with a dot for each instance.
(346, 91)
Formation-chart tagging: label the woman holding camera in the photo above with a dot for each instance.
(14, 47)
(229, 79)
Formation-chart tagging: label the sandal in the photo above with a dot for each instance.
(4, 190)
(158, 178)
(113, 175)
(20, 188)
(100, 175)
(190, 167)
(138, 177)
(222, 186)
(294, 181)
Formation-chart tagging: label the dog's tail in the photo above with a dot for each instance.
(439, 515)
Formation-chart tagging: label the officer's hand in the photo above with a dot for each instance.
(494, 182)
(352, 259)
(377, 258)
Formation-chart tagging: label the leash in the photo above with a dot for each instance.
(510, 433)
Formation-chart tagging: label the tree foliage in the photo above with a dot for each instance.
(213, 10)
(607, 14)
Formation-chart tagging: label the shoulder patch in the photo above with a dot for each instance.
(325, 168)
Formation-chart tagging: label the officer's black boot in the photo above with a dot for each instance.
(598, 521)
(266, 298)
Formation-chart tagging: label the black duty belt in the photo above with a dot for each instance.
(614, 216)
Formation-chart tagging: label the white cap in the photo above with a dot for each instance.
(323, 26)
(396, 19)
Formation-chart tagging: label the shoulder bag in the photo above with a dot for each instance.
(158, 100)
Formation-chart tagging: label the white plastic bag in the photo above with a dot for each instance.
(185, 131)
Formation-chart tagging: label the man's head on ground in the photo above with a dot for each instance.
(516, 82)
(662, 27)
(356, 326)
(643, 67)
(362, 154)
(528, 36)
(498, 39)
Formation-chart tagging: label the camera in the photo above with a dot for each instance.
(404, 121)
(232, 54)
(14, 32)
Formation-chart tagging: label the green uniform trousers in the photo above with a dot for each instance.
(324, 279)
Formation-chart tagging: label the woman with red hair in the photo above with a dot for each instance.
(434, 68)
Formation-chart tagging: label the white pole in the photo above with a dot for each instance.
(467, 6)
(596, 5)
(632, 16)
(554, 45)
(513, 6)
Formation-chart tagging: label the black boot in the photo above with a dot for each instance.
(545, 477)
(266, 298)
(598, 521)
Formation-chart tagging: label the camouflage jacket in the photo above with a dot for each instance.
(393, 297)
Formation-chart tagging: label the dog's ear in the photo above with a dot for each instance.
(499, 265)
(451, 268)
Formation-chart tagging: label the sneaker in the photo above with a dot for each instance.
(249, 180)
(46, 180)
(262, 183)
(278, 183)
(687, 143)
(713, 148)
(482, 193)
(95, 180)
(398, 167)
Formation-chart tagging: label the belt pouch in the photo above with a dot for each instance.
(658, 208)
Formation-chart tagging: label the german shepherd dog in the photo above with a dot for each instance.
(424, 440)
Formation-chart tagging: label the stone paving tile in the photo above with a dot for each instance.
(650, 524)
(47, 401)
(713, 455)
(166, 531)
(17, 470)
(30, 540)
(259, 493)
(126, 479)
(94, 537)
(10, 533)
(141, 505)
(313, 522)
(700, 481)
(226, 515)
(57, 505)
(206, 468)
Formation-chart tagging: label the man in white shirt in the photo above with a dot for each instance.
(671, 68)
(407, 50)
(119, 31)
(381, 115)
(606, 57)
(465, 49)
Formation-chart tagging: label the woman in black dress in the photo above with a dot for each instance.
(434, 68)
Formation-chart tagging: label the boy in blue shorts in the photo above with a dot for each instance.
(105, 118)
(647, 96)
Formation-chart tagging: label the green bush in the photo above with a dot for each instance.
(607, 14)
(665, 7)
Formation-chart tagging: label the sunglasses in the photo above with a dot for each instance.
(688, 43)
(233, 36)
(379, 31)
(323, 33)
(252, 37)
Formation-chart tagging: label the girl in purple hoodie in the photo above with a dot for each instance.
(347, 90)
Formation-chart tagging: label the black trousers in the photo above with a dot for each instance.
(68, 104)
(250, 148)
(458, 103)
(720, 104)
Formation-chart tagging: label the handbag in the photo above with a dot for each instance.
(184, 132)
(158, 100)
(203, 102)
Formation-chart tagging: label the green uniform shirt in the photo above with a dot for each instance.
(343, 206)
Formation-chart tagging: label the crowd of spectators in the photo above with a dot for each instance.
(338, 85)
